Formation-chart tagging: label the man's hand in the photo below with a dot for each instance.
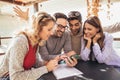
(22, 14)
(70, 53)
(70, 62)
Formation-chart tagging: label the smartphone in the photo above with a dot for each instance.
(76, 56)
(61, 62)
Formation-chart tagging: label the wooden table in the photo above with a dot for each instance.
(26, 3)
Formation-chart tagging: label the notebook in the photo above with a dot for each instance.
(63, 71)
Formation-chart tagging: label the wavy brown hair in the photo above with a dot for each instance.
(95, 22)
(40, 20)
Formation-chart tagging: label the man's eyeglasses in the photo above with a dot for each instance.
(61, 26)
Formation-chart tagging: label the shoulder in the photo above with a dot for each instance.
(20, 39)
(18, 47)
(66, 33)
(108, 36)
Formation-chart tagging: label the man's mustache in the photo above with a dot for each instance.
(61, 31)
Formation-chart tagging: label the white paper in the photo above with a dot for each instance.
(64, 71)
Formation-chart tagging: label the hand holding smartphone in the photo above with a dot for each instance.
(76, 56)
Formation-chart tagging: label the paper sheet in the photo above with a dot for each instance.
(64, 71)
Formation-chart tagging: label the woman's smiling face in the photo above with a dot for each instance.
(47, 31)
(89, 30)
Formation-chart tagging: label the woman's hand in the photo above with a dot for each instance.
(22, 14)
(97, 36)
(52, 64)
(89, 40)
(60, 57)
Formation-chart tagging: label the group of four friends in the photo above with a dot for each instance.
(37, 49)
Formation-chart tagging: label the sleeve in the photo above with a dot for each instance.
(102, 55)
(85, 52)
(112, 28)
(45, 54)
(16, 70)
(39, 60)
(67, 45)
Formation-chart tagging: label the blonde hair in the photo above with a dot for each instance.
(40, 20)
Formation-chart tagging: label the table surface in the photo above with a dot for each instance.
(91, 71)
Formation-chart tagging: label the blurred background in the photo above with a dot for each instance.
(9, 23)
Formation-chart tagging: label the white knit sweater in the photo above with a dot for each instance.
(13, 61)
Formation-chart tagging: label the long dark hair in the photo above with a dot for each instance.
(95, 22)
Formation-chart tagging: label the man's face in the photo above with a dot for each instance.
(61, 24)
(75, 26)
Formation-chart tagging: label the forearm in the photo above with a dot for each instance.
(103, 54)
(52, 56)
(98, 54)
(85, 54)
(32, 74)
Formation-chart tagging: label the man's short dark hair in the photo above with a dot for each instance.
(60, 15)
(72, 15)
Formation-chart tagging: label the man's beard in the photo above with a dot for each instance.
(75, 32)
(58, 34)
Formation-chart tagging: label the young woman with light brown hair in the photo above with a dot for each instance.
(21, 62)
